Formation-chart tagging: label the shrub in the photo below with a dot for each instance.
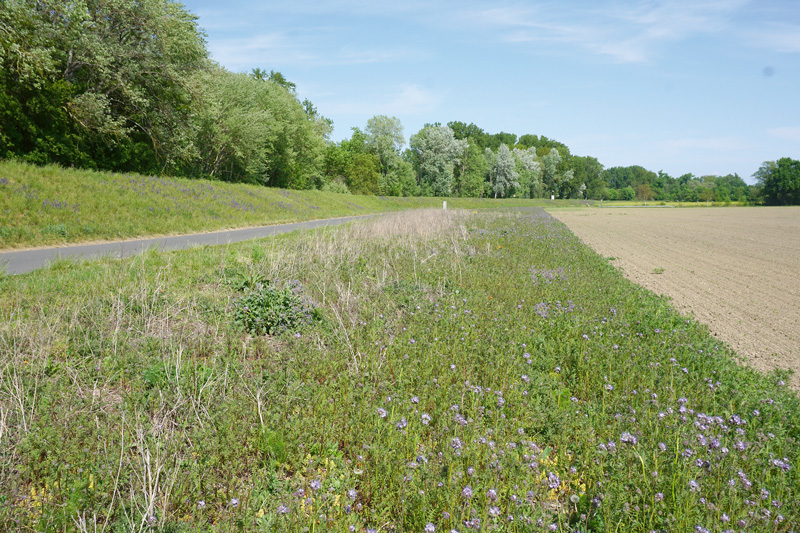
(336, 186)
(269, 310)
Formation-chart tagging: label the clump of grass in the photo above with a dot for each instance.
(472, 371)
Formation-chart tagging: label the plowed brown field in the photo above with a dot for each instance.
(735, 269)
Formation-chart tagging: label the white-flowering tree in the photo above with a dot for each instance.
(503, 174)
(437, 150)
(530, 171)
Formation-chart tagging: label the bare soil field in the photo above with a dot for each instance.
(735, 269)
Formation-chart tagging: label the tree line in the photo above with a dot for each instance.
(128, 85)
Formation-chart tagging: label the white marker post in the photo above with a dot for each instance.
(444, 205)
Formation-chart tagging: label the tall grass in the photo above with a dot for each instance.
(53, 205)
(467, 371)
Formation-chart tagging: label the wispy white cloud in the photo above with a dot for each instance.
(259, 50)
(626, 32)
(786, 134)
(731, 143)
(408, 99)
(351, 55)
(413, 100)
(778, 37)
(278, 49)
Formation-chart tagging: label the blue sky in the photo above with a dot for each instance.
(700, 86)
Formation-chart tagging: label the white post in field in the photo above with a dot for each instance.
(444, 205)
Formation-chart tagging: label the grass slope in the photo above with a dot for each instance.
(53, 205)
(438, 371)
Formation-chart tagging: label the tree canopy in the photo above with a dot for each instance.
(780, 181)
(100, 82)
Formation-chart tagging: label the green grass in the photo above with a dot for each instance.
(463, 369)
(54, 205)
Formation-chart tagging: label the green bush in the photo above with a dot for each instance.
(269, 310)
(336, 186)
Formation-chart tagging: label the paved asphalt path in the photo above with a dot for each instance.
(23, 261)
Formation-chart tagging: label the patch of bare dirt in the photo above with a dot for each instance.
(735, 269)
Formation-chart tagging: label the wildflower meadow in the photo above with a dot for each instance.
(421, 371)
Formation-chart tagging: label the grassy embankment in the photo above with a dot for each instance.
(458, 371)
(53, 205)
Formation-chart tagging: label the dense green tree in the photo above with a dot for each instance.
(118, 67)
(780, 181)
(295, 145)
(276, 78)
(633, 176)
(543, 145)
(705, 194)
(495, 141)
(384, 135)
(399, 180)
(554, 180)
(464, 131)
(351, 162)
(626, 193)
(126, 85)
(364, 174)
(230, 127)
(587, 172)
(471, 171)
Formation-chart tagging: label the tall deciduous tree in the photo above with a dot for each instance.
(353, 163)
(780, 181)
(122, 64)
(553, 179)
(530, 172)
(385, 138)
(437, 150)
(471, 171)
(230, 127)
(502, 171)
(464, 131)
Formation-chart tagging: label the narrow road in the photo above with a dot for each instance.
(22, 261)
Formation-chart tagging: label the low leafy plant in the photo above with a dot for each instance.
(270, 310)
